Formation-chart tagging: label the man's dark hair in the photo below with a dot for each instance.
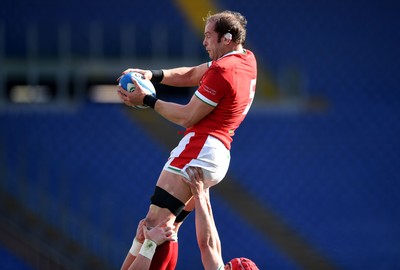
(229, 22)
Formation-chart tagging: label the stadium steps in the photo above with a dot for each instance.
(39, 243)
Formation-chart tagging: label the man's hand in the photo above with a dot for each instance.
(196, 182)
(139, 231)
(160, 233)
(134, 98)
(146, 73)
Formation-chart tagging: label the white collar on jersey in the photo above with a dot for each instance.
(229, 53)
(233, 52)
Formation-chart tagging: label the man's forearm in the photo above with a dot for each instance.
(184, 76)
(204, 224)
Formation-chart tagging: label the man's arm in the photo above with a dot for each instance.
(213, 222)
(183, 115)
(206, 231)
(136, 245)
(178, 77)
(184, 76)
(141, 258)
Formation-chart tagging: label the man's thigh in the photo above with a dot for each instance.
(175, 186)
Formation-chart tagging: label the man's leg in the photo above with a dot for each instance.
(170, 197)
(168, 200)
(164, 256)
(172, 249)
(171, 194)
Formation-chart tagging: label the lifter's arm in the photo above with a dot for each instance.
(206, 231)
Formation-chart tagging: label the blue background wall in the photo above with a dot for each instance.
(331, 173)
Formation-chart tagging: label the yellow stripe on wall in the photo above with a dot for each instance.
(195, 10)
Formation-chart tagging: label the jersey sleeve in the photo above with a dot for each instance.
(213, 86)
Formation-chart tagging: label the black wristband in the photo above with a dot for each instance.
(150, 101)
(158, 75)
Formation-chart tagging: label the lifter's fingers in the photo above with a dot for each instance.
(197, 173)
(190, 173)
(200, 173)
(164, 222)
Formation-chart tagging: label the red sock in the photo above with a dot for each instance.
(165, 257)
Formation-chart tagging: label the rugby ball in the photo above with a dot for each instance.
(126, 83)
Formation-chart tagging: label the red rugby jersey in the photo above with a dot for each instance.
(229, 85)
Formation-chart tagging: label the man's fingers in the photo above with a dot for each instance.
(163, 223)
(200, 171)
(190, 172)
(195, 173)
(129, 70)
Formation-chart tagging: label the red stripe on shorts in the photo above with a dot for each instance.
(191, 151)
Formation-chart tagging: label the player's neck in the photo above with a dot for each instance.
(238, 48)
(233, 50)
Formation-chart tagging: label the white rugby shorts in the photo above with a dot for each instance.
(199, 150)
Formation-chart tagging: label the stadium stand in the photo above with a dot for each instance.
(77, 176)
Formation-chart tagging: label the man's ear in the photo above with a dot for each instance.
(228, 38)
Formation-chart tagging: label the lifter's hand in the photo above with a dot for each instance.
(139, 231)
(134, 98)
(196, 182)
(160, 233)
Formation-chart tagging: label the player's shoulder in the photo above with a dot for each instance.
(218, 71)
(248, 52)
(249, 55)
(230, 61)
(235, 57)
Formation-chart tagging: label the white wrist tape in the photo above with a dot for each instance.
(136, 245)
(174, 237)
(148, 249)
